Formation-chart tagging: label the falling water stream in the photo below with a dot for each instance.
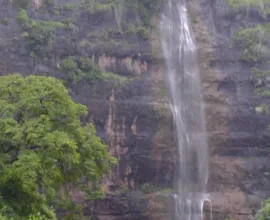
(186, 102)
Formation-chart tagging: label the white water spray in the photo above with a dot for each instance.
(184, 84)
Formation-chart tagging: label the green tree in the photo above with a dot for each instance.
(45, 150)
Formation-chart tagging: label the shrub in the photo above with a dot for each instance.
(102, 8)
(143, 33)
(147, 188)
(23, 18)
(84, 68)
(264, 212)
(68, 23)
(5, 21)
(56, 11)
(124, 190)
(139, 31)
(39, 33)
(69, 67)
(69, 64)
(39, 38)
(253, 41)
(86, 64)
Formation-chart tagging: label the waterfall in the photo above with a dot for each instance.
(184, 85)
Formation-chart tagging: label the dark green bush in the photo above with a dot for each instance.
(69, 67)
(86, 64)
(39, 38)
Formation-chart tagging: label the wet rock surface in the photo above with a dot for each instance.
(134, 119)
(240, 151)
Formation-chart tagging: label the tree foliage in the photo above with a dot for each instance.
(264, 212)
(39, 33)
(44, 148)
(75, 70)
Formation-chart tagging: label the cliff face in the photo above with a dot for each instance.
(103, 52)
(239, 141)
(109, 56)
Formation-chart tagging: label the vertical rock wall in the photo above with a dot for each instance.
(238, 134)
(133, 116)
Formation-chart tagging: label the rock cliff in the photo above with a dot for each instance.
(108, 54)
(239, 140)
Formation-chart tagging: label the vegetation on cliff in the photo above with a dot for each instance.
(38, 33)
(254, 42)
(238, 4)
(45, 149)
(76, 70)
(264, 212)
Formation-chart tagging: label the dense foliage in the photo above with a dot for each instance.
(264, 213)
(254, 42)
(44, 149)
(38, 33)
(77, 69)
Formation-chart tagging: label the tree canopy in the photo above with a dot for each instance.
(44, 148)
